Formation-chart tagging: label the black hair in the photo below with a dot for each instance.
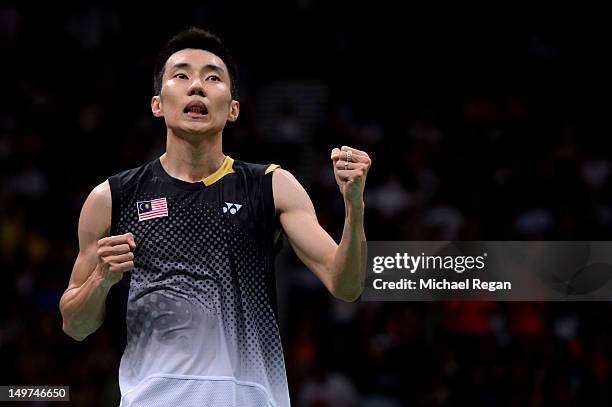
(195, 38)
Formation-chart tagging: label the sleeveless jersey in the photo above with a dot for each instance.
(201, 307)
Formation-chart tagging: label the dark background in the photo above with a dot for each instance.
(481, 126)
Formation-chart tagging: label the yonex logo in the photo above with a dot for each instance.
(233, 208)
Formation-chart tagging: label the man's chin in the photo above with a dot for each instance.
(204, 131)
(200, 130)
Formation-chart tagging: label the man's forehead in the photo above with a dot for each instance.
(196, 58)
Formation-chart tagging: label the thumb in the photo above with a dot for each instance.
(131, 240)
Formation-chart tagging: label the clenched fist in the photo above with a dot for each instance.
(350, 169)
(116, 256)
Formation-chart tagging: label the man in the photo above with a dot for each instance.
(197, 232)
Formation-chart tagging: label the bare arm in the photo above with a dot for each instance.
(337, 266)
(99, 265)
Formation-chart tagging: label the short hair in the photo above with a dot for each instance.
(195, 38)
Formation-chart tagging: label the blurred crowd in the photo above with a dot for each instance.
(477, 132)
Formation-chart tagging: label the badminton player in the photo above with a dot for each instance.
(192, 236)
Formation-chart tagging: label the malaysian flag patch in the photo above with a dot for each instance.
(155, 208)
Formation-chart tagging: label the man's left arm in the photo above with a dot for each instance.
(339, 267)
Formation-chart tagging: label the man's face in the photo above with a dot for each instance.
(195, 97)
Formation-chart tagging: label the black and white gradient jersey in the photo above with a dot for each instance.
(201, 308)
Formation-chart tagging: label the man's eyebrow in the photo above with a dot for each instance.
(181, 65)
(214, 67)
(211, 67)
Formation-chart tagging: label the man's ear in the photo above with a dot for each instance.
(156, 106)
(234, 111)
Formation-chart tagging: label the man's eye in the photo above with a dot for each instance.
(214, 78)
(181, 76)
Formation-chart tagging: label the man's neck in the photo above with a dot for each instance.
(192, 161)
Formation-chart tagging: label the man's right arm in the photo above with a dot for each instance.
(100, 264)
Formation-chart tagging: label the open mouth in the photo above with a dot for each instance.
(196, 109)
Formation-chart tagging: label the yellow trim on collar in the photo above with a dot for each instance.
(277, 234)
(226, 168)
(271, 168)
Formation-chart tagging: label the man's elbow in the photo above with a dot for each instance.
(78, 332)
(347, 294)
(72, 334)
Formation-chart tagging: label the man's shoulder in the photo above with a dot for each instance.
(254, 168)
(134, 174)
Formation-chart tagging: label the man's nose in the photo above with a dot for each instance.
(196, 88)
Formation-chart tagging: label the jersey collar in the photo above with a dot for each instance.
(226, 168)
